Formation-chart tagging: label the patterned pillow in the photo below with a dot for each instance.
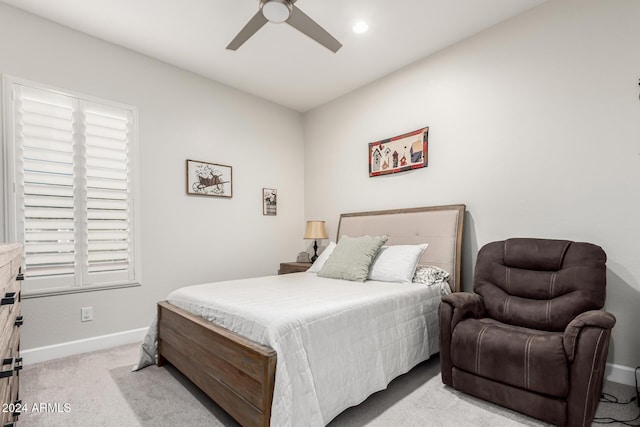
(431, 275)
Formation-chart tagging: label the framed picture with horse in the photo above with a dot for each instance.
(209, 179)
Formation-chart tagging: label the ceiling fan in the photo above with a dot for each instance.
(278, 11)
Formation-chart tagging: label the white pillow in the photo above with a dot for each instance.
(322, 258)
(396, 263)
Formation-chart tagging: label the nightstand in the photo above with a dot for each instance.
(293, 267)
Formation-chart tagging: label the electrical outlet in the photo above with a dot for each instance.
(86, 314)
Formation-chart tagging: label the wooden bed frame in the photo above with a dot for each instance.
(238, 373)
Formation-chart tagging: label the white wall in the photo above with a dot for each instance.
(534, 125)
(185, 240)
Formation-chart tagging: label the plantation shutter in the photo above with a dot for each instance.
(45, 128)
(108, 227)
(74, 200)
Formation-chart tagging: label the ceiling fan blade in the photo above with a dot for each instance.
(300, 21)
(250, 29)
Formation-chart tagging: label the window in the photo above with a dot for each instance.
(70, 168)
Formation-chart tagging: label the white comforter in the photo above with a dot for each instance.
(337, 341)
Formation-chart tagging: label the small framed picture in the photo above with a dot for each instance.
(209, 179)
(269, 201)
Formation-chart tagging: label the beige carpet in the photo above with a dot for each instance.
(100, 390)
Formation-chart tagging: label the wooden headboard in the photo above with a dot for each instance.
(439, 226)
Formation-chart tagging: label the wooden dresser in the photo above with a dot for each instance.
(10, 321)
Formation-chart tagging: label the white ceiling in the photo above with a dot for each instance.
(279, 63)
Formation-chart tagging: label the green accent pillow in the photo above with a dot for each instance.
(352, 257)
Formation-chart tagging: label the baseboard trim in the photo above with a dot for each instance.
(620, 374)
(56, 351)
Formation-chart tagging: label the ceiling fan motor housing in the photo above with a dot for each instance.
(276, 11)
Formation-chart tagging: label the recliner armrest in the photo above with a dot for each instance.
(454, 308)
(594, 318)
(465, 305)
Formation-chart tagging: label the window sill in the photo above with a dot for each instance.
(76, 290)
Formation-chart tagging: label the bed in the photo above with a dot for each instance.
(268, 360)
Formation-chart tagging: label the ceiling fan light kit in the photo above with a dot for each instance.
(278, 11)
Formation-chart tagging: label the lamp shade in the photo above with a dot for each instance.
(315, 230)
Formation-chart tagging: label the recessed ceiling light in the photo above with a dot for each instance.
(360, 27)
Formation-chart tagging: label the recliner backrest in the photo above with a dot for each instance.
(540, 283)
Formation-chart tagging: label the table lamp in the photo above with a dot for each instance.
(315, 230)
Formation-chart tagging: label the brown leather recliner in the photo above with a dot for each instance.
(532, 338)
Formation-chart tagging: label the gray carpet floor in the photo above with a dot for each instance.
(99, 389)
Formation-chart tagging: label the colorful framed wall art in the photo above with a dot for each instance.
(400, 153)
